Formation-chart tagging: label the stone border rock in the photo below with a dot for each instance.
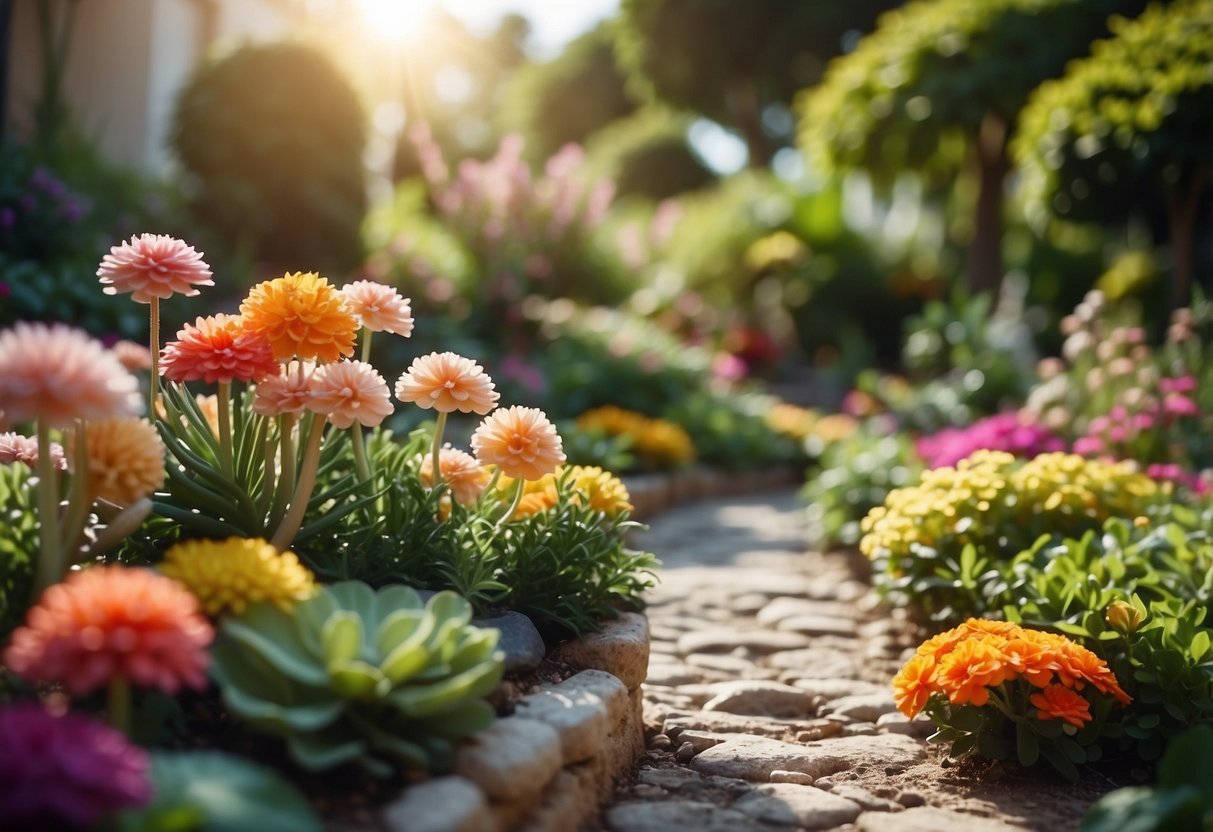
(652, 493)
(551, 765)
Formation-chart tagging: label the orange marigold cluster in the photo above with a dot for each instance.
(966, 662)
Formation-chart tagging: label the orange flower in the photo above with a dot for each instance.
(287, 392)
(302, 316)
(460, 471)
(349, 392)
(912, 685)
(132, 356)
(966, 673)
(217, 349)
(113, 621)
(153, 266)
(532, 504)
(379, 308)
(1058, 702)
(125, 459)
(520, 441)
(58, 374)
(1029, 659)
(447, 382)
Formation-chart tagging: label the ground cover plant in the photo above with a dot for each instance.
(261, 547)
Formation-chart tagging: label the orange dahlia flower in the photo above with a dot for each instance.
(302, 316)
(379, 307)
(447, 382)
(58, 374)
(349, 392)
(912, 685)
(217, 349)
(1059, 702)
(520, 441)
(967, 673)
(113, 621)
(153, 266)
(286, 392)
(125, 459)
(460, 470)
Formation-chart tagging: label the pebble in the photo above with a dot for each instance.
(674, 816)
(760, 698)
(685, 752)
(797, 777)
(788, 804)
(724, 640)
(520, 641)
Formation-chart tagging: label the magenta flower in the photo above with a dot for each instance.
(65, 771)
(1003, 432)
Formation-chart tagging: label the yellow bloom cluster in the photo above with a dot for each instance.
(967, 662)
(793, 421)
(992, 495)
(656, 442)
(231, 574)
(586, 485)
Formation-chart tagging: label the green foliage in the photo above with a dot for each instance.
(730, 430)
(855, 475)
(18, 544)
(1131, 120)
(569, 98)
(914, 92)
(355, 675)
(214, 792)
(934, 543)
(276, 165)
(1181, 802)
(647, 154)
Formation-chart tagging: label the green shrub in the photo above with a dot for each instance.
(730, 430)
(18, 542)
(276, 164)
(355, 675)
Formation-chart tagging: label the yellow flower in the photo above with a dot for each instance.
(657, 442)
(231, 574)
(600, 490)
(125, 459)
(790, 420)
(302, 316)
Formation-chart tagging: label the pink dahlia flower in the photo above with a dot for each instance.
(132, 356)
(520, 441)
(349, 392)
(217, 349)
(288, 391)
(461, 471)
(58, 374)
(153, 267)
(447, 382)
(17, 448)
(379, 307)
(65, 771)
(113, 621)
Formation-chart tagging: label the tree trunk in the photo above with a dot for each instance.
(1181, 217)
(983, 266)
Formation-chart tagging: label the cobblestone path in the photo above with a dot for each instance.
(767, 703)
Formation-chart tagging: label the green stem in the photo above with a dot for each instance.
(360, 461)
(49, 568)
(225, 428)
(436, 474)
(154, 338)
(79, 499)
(303, 488)
(286, 472)
(492, 483)
(366, 345)
(118, 704)
(514, 503)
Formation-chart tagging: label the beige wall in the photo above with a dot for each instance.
(127, 62)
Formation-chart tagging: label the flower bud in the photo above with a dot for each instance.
(1124, 618)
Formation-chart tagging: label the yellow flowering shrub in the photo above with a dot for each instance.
(930, 540)
(656, 443)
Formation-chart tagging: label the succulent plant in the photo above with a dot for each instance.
(358, 675)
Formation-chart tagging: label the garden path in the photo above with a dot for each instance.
(767, 703)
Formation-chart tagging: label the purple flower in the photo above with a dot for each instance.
(8, 218)
(56, 771)
(1003, 432)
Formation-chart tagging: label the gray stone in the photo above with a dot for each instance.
(512, 759)
(576, 712)
(761, 698)
(896, 723)
(672, 673)
(672, 779)
(700, 740)
(782, 608)
(726, 640)
(864, 798)
(815, 662)
(754, 758)
(930, 819)
(868, 707)
(881, 752)
(838, 688)
(748, 604)
(781, 776)
(675, 816)
(520, 641)
(726, 723)
(621, 648)
(444, 804)
(685, 752)
(819, 625)
(722, 662)
(787, 804)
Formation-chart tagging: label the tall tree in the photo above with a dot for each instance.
(936, 88)
(738, 62)
(1130, 128)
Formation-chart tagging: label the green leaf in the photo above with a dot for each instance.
(405, 661)
(398, 627)
(1142, 809)
(1027, 746)
(1189, 761)
(224, 792)
(426, 700)
(358, 680)
(341, 638)
(271, 633)
(322, 750)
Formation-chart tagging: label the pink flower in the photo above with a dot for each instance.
(17, 448)
(1088, 445)
(1177, 404)
(287, 392)
(132, 356)
(379, 308)
(461, 471)
(1182, 384)
(217, 349)
(520, 441)
(447, 382)
(58, 374)
(349, 392)
(153, 266)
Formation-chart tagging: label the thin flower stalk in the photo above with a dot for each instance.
(308, 468)
(515, 501)
(50, 566)
(225, 428)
